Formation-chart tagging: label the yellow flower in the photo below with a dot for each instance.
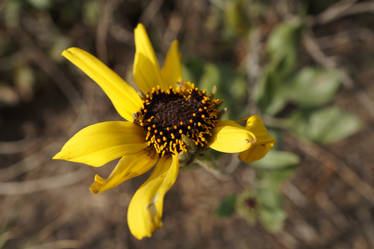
(160, 120)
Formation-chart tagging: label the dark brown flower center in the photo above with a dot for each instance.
(168, 115)
(251, 203)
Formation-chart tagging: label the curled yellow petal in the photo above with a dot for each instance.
(230, 137)
(103, 142)
(263, 142)
(123, 96)
(171, 72)
(145, 209)
(146, 68)
(129, 166)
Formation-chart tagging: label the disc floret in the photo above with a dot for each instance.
(170, 115)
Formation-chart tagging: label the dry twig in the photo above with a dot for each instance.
(214, 172)
(319, 56)
(342, 9)
(253, 67)
(103, 28)
(121, 34)
(335, 164)
(149, 13)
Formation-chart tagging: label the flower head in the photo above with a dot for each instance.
(168, 115)
(162, 121)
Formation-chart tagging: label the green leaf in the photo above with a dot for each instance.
(277, 134)
(271, 94)
(227, 206)
(193, 69)
(277, 160)
(91, 12)
(272, 179)
(232, 88)
(283, 37)
(269, 195)
(283, 45)
(187, 74)
(211, 77)
(272, 170)
(11, 13)
(272, 219)
(271, 213)
(236, 16)
(325, 126)
(41, 4)
(314, 86)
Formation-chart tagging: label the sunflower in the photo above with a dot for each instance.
(168, 118)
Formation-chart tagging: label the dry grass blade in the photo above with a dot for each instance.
(59, 244)
(28, 163)
(14, 147)
(42, 184)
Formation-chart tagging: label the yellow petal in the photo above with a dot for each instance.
(128, 167)
(171, 72)
(263, 142)
(145, 210)
(103, 142)
(146, 68)
(230, 137)
(123, 96)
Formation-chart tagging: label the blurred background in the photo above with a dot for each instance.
(305, 66)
